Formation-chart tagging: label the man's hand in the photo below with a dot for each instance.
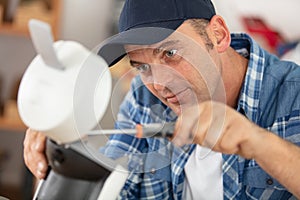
(223, 129)
(219, 127)
(34, 153)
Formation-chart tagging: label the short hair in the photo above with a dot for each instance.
(199, 26)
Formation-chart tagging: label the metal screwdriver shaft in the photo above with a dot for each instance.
(141, 131)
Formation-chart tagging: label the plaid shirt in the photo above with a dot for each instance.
(269, 98)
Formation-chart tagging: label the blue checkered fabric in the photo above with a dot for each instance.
(269, 97)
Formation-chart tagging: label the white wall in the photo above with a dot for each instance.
(86, 21)
(283, 16)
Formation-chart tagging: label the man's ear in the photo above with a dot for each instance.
(220, 32)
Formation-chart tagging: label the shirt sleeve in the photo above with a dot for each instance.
(122, 145)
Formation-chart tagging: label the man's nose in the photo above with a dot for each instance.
(158, 87)
(161, 76)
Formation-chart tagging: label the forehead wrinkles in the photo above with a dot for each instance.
(140, 54)
(137, 49)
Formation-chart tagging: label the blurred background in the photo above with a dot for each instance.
(273, 23)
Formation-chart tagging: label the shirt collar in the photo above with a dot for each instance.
(250, 93)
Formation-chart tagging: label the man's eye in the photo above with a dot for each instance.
(171, 53)
(144, 68)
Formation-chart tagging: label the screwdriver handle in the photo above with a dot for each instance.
(155, 130)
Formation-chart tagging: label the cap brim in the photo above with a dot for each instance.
(112, 50)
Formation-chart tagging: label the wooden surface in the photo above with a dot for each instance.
(33, 9)
(12, 125)
(10, 120)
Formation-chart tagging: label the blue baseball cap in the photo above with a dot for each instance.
(144, 22)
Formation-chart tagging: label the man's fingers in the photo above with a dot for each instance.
(185, 126)
(41, 169)
(34, 153)
(202, 124)
(40, 143)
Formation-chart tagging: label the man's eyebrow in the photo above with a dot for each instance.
(167, 44)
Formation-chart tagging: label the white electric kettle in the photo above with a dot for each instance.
(65, 90)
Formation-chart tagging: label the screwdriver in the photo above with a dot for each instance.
(141, 131)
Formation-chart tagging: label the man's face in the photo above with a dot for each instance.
(179, 70)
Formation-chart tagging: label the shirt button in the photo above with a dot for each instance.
(152, 171)
(270, 181)
(141, 162)
(186, 148)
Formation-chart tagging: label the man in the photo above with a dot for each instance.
(186, 58)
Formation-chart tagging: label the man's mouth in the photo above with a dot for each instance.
(176, 98)
(173, 99)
